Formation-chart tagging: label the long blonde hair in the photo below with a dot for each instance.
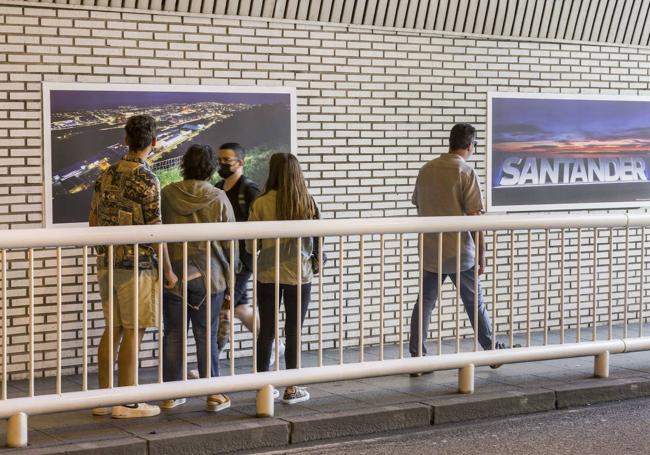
(293, 200)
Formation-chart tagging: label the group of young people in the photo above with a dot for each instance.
(128, 193)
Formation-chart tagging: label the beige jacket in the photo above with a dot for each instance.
(263, 209)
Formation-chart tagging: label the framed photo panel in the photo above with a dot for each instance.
(559, 152)
(83, 130)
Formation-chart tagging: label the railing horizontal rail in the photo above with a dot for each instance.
(228, 384)
(33, 238)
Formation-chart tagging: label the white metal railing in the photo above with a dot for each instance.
(531, 231)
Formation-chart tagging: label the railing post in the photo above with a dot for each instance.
(466, 379)
(17, 431)
(601, 365)
(264, 402)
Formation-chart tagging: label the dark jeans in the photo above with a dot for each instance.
(173, 329)
(241, 281)
(429, 296)
(266, 303)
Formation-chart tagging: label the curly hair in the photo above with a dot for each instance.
(140, 132)
(199, 162)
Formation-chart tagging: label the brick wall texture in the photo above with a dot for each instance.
(373, 106)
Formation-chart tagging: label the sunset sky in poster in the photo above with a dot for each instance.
(569, 128)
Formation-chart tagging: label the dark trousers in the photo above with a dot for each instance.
(266, 304)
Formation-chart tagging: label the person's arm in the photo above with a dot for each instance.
(152, 215)
(253, 215)
(473, 206)
(92, 217)
(480, 245)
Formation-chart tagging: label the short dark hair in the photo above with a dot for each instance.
(235, 147)
(140, 132)
(199, 162)
(461, 136)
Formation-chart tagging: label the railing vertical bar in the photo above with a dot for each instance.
(321, 265)
(84, 321)
(4, 324)
(276, 352)
(579, 286)
(299, 303)
(341, 300)
(381, 297)
(512, 288)
(458, 299)
(59, 322)
(495, 238)
(136, 310)
(401, 296)
(476, 299)
(562, 263)
(420, 289)
(594, 284)
(161, 286)
(627, 281)
(642, 282)
(231, 290)
(255, 309)
(184, 314)
(31, 322)
(546, 280)
(362, 295)
(439, 315)
(609, 284)
(111, 325)
(528, 284)
(208, 310)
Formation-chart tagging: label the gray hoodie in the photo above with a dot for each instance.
(197, 201)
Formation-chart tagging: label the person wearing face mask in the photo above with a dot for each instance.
(241, 192)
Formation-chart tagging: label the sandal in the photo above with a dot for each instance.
(218, 402)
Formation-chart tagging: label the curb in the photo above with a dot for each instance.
(285, 431)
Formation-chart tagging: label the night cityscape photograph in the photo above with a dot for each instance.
(87, 135)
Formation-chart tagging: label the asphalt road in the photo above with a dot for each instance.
(616, 428)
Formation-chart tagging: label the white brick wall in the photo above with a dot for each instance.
(373, 106)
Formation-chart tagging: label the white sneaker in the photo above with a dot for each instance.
(101, 411)
(170, 404)
(129, 411)
(193, 374)
(280, 353)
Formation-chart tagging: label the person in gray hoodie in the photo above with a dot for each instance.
(195, 200)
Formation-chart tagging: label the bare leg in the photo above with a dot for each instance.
(245, 314)
(127, 361)
(105, 368)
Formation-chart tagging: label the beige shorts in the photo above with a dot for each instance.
(123, 297)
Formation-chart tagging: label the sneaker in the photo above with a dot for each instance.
(193, 374)
(293, 395)
(102, 411)
(498, 345)
(218, 402)
(280, 353)
(171, 404)
(420, 373)
(129, 411)
(276, 393)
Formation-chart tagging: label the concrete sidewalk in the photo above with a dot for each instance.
(339, 409)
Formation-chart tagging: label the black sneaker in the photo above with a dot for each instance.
(498, 345)
(420, 373)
